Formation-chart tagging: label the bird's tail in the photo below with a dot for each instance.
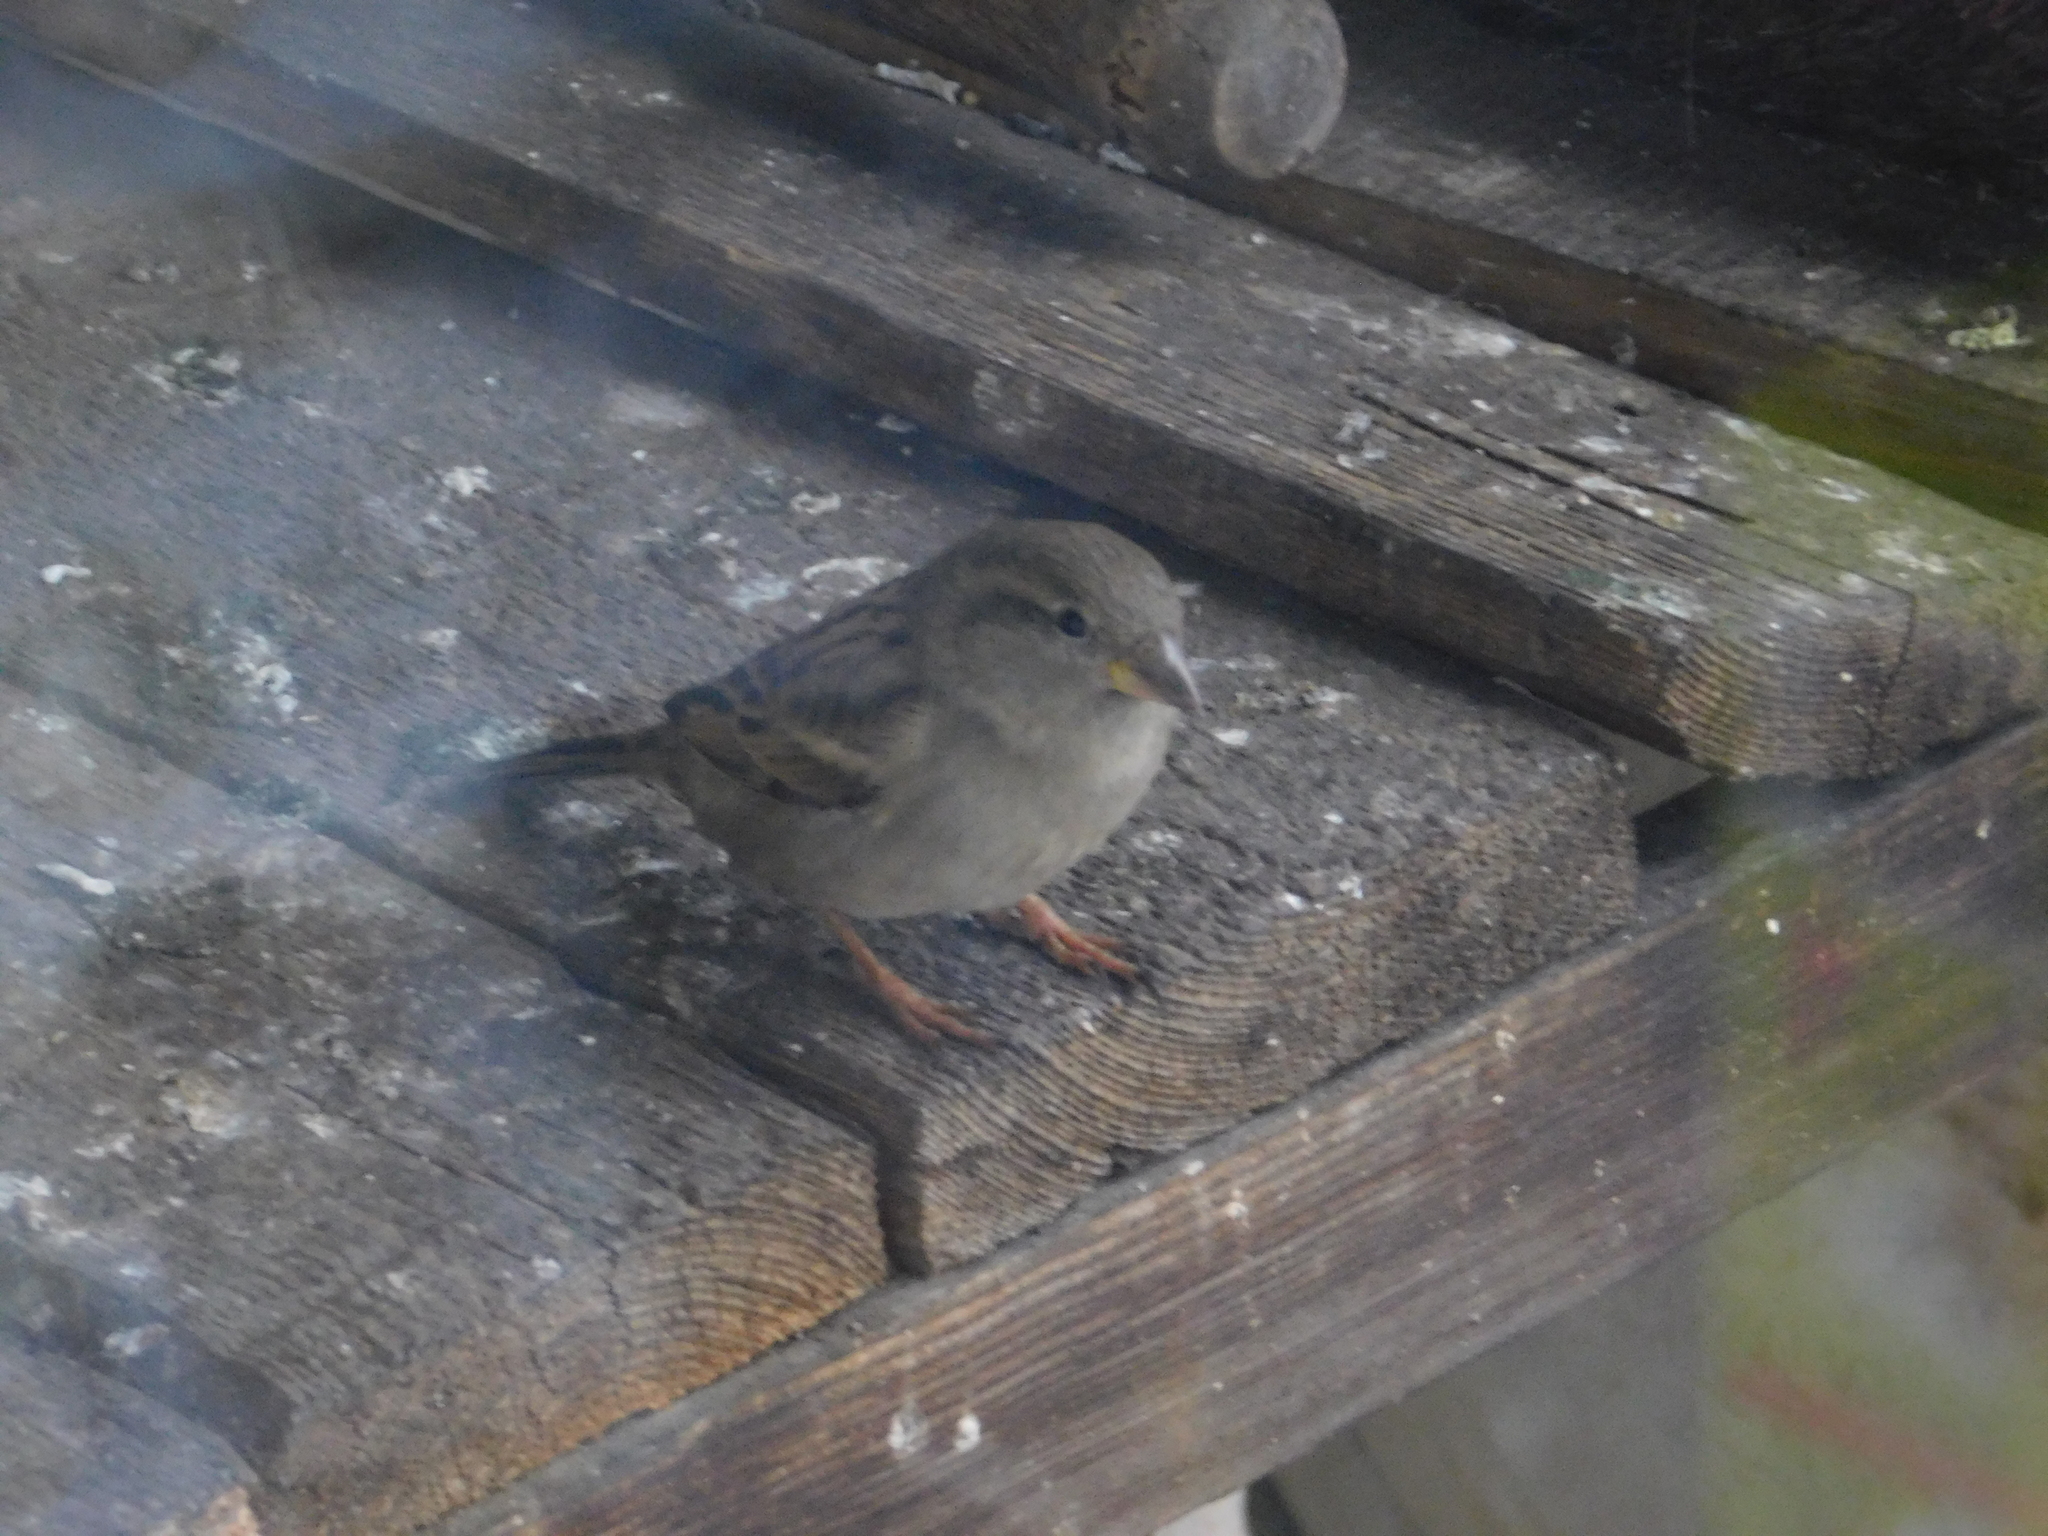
(582, 758)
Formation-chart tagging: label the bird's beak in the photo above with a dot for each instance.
(1158, 672)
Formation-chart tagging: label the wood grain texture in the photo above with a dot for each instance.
(1202, 1322)
(1754, 603)
(1358, 841)
(369, 1190)
(1809, 285)
(82, 1455)
(1457, 179)
(1610, 218)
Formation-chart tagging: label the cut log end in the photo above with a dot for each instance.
(1236, 87)
(1194, 89)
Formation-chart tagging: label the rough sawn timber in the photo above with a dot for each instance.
(1749, 601)
(366, 1188)
(1196, 1325)
(457, 505)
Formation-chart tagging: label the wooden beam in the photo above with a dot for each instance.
(368, 1190)
(1732, 595)
(1214, 1316)
(1948, 423)
(457, 531)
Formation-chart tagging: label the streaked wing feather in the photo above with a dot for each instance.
(814, 719)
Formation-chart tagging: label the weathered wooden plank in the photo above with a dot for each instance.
(1214, 1316)
(82, 1455)
(1811, 286)
(1357, 842)
(368, 1189)
(1754, 603)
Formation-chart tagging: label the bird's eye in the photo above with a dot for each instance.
(1073, 622)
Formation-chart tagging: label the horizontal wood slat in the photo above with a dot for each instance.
(1813, 286)
(1749, 601)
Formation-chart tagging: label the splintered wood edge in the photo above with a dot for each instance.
(1190, 1328)
(1703, 686)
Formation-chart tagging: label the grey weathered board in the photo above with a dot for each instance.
(363, 1186)
(1809, 284)
(1198, 1324)
(83, 1455)
(1802, 283)
(1745, 599)
(305, 594)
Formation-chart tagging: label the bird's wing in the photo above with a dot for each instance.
(817, 719)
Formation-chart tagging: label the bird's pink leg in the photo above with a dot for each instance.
(921, 1017)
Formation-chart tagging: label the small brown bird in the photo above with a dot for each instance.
(948, 743)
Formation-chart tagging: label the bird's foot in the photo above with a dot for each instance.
(921, 1017)
(1090, 953)
(924, 1018)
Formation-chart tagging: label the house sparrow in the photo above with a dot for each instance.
(948, 743)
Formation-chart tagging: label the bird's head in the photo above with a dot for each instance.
(1060, 617)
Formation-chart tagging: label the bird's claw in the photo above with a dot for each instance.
(1092, 954)
(930, 1021)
